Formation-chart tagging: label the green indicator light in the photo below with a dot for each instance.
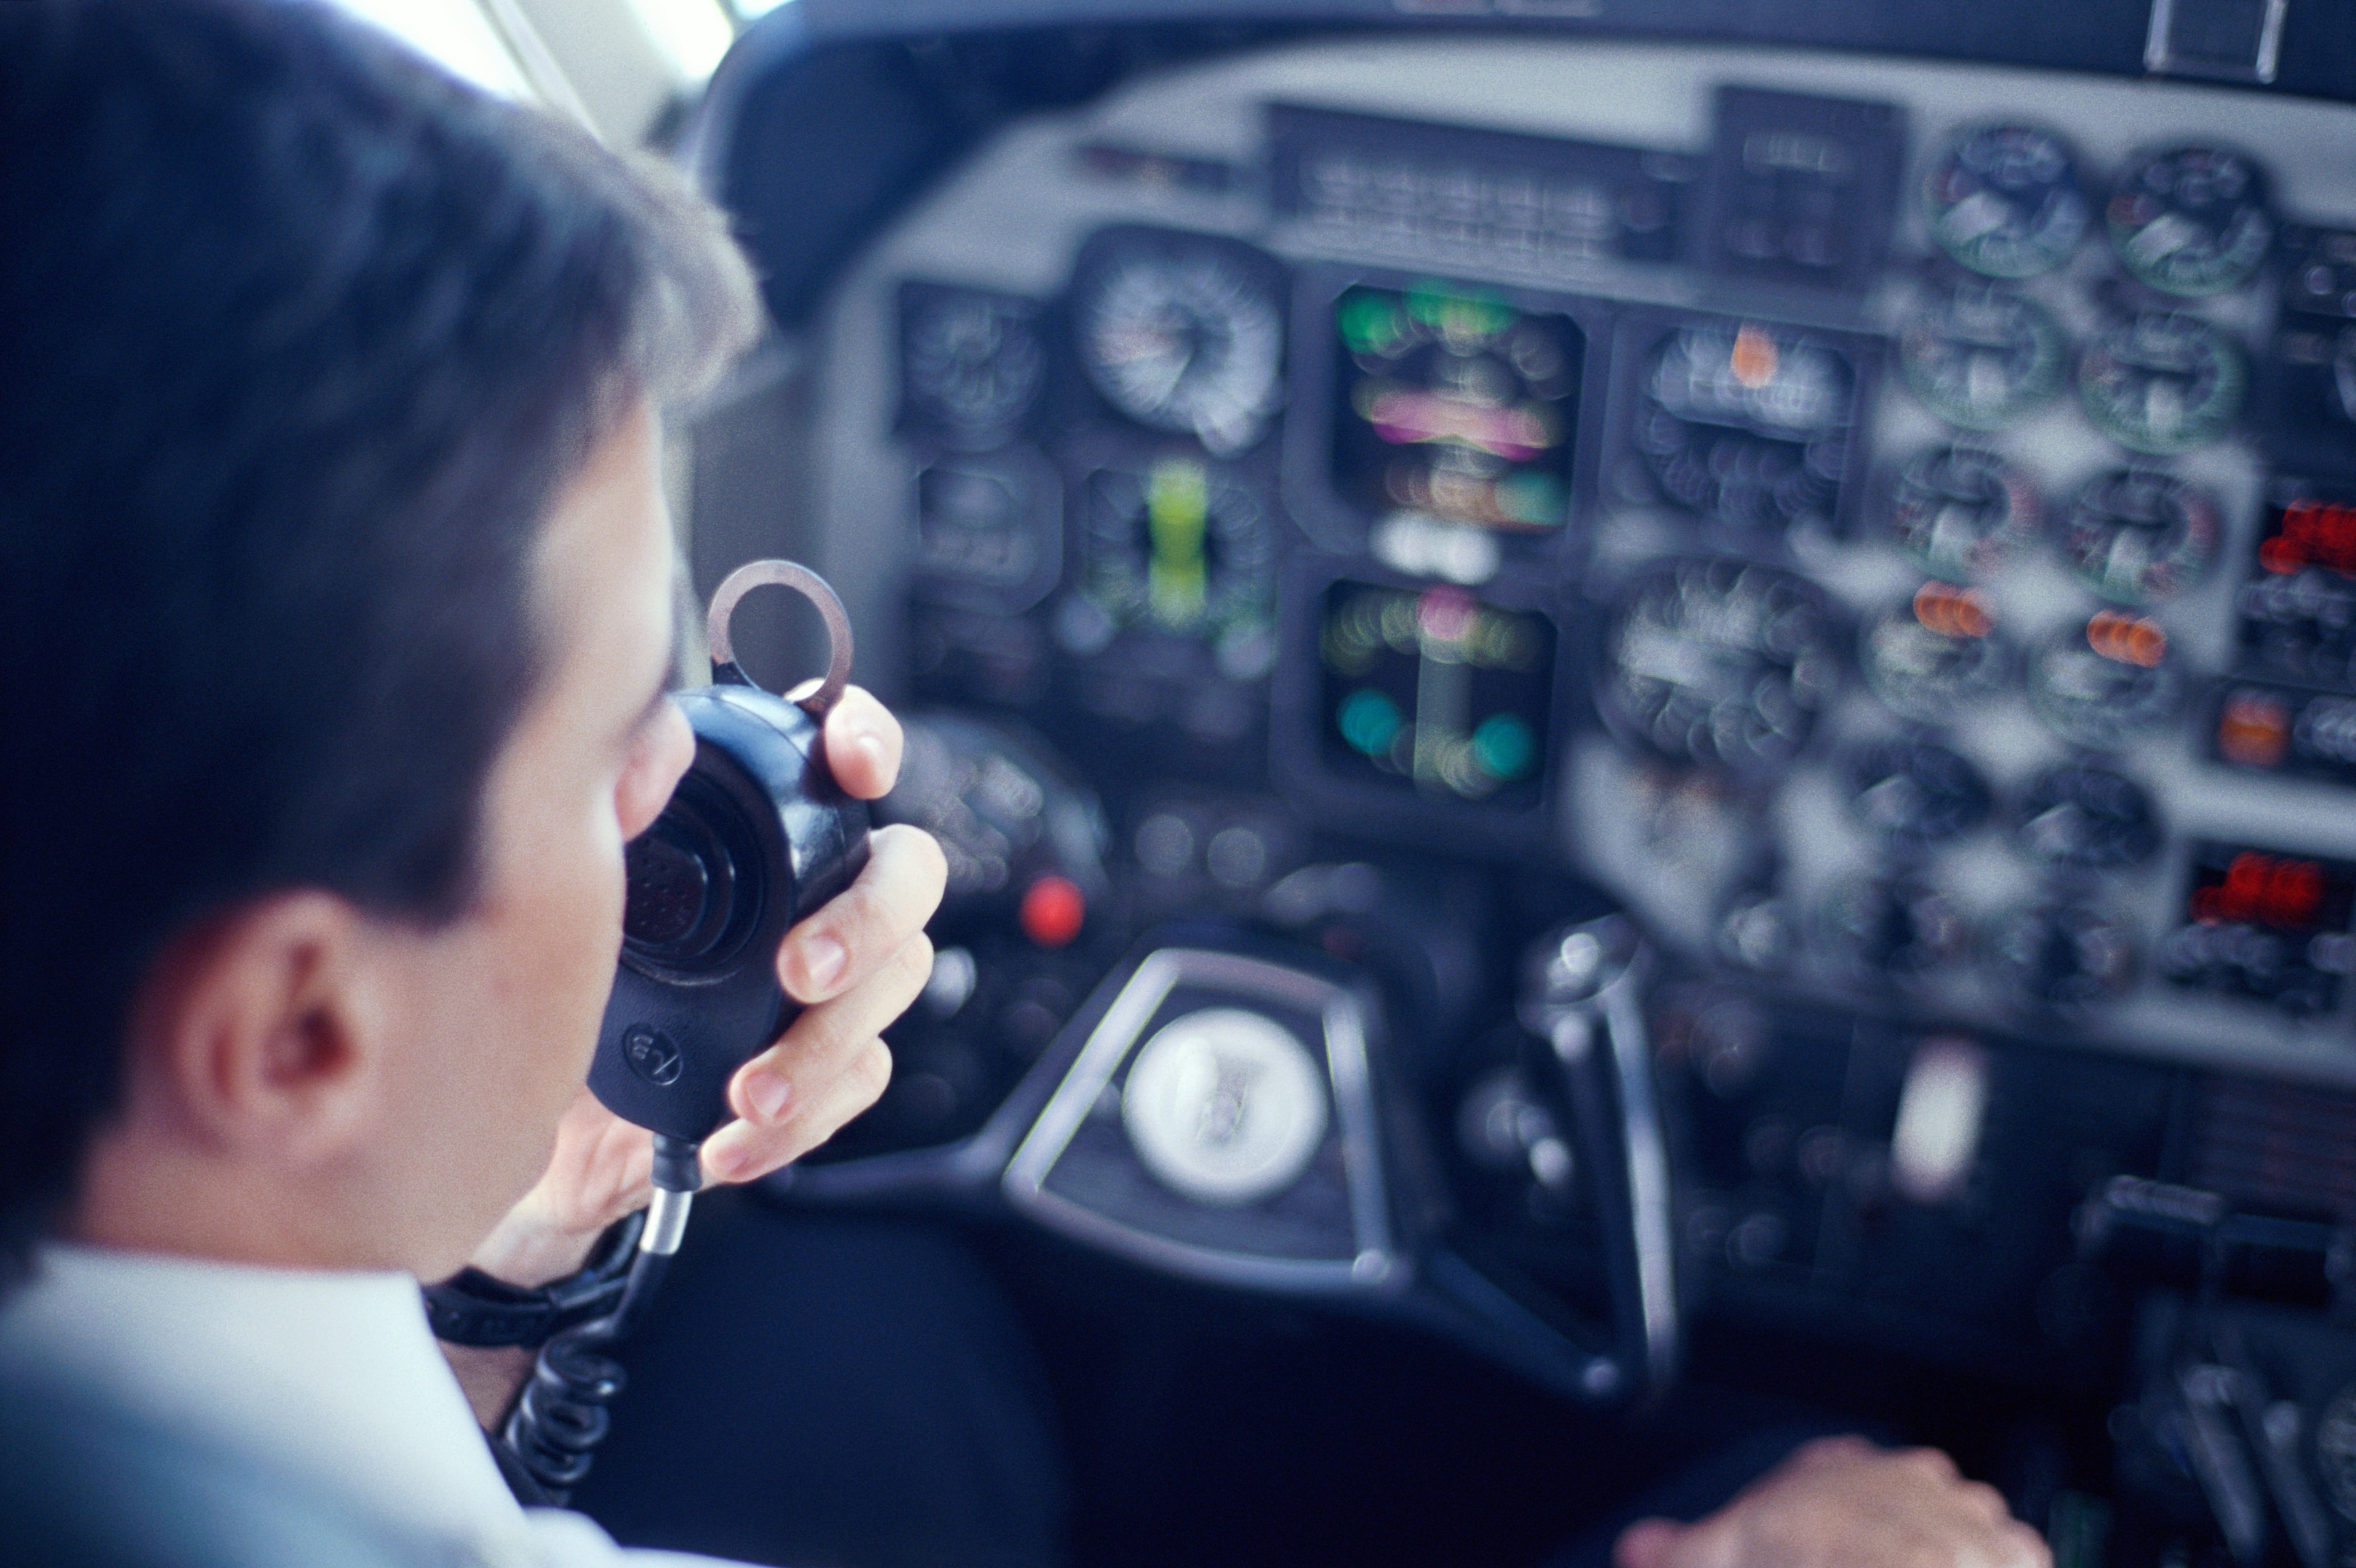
(1369, 721)
(1503, 747)
(1177, 511)
(1369, 322)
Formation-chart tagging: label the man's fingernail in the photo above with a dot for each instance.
(726, 1163)
(822, 960)
(869, 741)
(768, 1092)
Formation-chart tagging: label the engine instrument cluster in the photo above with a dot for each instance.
(1902, 542)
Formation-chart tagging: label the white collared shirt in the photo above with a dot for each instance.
(331, 1377)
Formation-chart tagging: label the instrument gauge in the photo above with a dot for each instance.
(1721, 663)
(1748, 424)
(2162, 382)
(2090, 818)
(1936, 655)
(2065, 957)
(1983, 357)
(2006, 201)
(1884, 929)
(2137, 536)
(1176, 548)
(2191, 220)
(1916, 792)
(2105, 685)
(971, 364)
(1181, 333)
(1960, 510)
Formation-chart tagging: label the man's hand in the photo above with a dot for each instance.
(1840, 1502)
(857, 963)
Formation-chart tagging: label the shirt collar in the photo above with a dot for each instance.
(332, 1373)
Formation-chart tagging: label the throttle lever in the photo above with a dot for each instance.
(1582, 993)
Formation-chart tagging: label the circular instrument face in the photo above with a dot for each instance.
(1916, 791)
(1881, 929)
(2088, 817)
(1958, 510)
(2162, 382)
(2191, 220)
(1225, 1106)
(2138, 537)
(2006, 201)
(2064, 957)
(1747, 424)
(2103, 686)
(1934, 656)
(1185, 339)
(1176, 548)
(1723, 663)
(973, 364)
(1983, 357)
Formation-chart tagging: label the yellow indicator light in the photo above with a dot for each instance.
(1177, 513)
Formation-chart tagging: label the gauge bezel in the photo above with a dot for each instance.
(1953, 142)
(916, 418)
(2118, 236)
(1332, 523)
(2230, 360)
(1296, 755)
(1624, 477)
(1107, 250)
(1838, 647)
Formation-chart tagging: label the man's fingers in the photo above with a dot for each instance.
(862, 744)
(822, 1040)
(842, 945)
(743, 1150)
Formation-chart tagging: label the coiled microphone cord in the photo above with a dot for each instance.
(554, 1431)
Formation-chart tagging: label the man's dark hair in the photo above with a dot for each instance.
(299, 340)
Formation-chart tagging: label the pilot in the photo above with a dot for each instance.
(337, 626)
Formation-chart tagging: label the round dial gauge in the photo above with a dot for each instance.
(1916, 791)
(1936, 655)
(2162, 382)
(2006, 201)
(2137, 536)
(1747, 425)
(2191, 220)
(1959, 510)
(1176, 548)
(1185, 337)
(2065, 957)
(971, 364)
(1721, 662)
(1879, 928)
(2102, 687)
(1983, 357)
(2088, 817)
(1225, 1106)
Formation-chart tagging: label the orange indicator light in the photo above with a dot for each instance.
(1754, 358)
(1953, 612)
(2126, 639)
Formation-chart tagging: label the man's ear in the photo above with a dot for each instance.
(253, 1032)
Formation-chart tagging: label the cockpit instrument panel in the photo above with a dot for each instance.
(1909, 505)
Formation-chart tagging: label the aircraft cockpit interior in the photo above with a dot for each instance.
(1635, 707)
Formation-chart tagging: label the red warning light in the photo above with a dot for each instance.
(2265, 889)
(2312, 533)
(1053, 912)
